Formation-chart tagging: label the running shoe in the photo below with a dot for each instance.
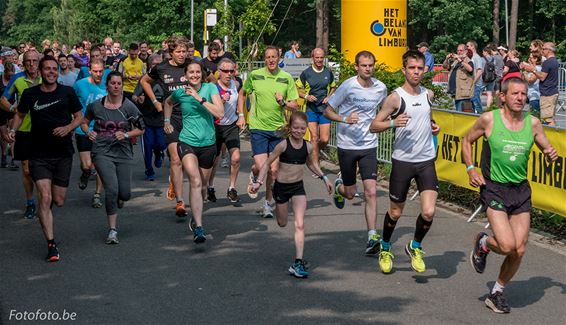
(12, 165)
(385, 261)
(416, 255)
(30, 211)
(224, 162)
(170, 191)
(52, 253)
(150, 178)
(338, 198)
(120, 204)
(158, 161)
(298, 270)
(192, 224)
(83, 180)
(497, 302)
(373, 245)
(180, 210)
(112, 238)
(211, 194)
(198, 235)
(267, 210)
(96, 201)
(232, 195)
(478, 256)
(253, 179)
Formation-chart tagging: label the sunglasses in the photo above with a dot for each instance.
(227, 71)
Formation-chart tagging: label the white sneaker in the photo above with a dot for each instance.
(112, 237)
(224, 163)
(267, 210)
(250, 184)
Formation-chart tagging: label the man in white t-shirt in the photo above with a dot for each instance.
(354, 104)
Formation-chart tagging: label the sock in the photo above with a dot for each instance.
(371, 233)
(210, 187)
(415, 244)
(51, 242)
(385, 245)
(298, 260)
(388, 227)
(497, 288)
(483, 244)
(421, 228)
(30, 201)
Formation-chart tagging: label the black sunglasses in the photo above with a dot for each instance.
(227, 71)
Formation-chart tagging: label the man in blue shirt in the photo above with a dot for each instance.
(429, 59)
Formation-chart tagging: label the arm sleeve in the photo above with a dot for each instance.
(292, 93)
(153, 73)
(337, 98)
(545, 67)
(10, 89)
(24, 105)
(248, 85)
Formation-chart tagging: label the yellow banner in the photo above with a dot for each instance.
(377, 26)
(547, 179)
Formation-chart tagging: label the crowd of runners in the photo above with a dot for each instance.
(174, 103)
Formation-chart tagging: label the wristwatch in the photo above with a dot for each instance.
(202, 101)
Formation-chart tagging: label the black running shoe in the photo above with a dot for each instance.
(52, 253)
(30, 211)
(496, 302)
(198, 235)
(478, 256)
(211, 194)
(232, 195)
(83, 180)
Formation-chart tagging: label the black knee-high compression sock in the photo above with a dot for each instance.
(421, 228)
(388, 227)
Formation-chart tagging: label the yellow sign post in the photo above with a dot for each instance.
(377, 26)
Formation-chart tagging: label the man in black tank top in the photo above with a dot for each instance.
(408, 111)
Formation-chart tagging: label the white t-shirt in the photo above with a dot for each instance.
(351, 97)
(230, 113)
(414, 143)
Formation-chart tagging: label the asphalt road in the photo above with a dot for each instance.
(157, 275)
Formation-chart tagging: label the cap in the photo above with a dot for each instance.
(422, 44)
(502, 48)
(5, 51)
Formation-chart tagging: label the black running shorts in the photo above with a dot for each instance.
(177, 123)
(351, 160)
(228, 134)
(403, 172)
(509, 198)
(205, 155)
(283, 192)
(58, 170)
(83, 143)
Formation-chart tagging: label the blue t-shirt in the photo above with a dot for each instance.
(291, 55)
(88, 93)
(549, 86)
(85, 73)
(429, 60)
(198, 124)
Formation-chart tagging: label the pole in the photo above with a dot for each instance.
(225, 36)
(506, 25)
(192, 18)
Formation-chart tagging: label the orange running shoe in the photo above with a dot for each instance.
(170, 191)
(180, 209)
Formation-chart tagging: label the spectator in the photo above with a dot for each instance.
(478, 82)
(512, 68)
(533, 93)
(461, 79)
(429, 58)
(294, 52)
(489, 86)
(81, 58)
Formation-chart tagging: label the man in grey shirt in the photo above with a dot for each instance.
(478, 67)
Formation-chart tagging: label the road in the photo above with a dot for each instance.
(157, 275)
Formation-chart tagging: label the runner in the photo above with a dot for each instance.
(132, 69)
(354, 105)
(5, 119)
(89, 90)
(228, 128)
(316, 84)
(273, 92)
(22, 151)
(117, 119)
(66, 76)
(200, 104)
(55, 111)
(171, 76)
(505, 192)
(292, 155)
(408, 111)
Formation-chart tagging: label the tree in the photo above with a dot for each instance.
(322, 24)
(495, 37)
(513, 24)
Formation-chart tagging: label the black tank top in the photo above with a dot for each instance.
(294, 156)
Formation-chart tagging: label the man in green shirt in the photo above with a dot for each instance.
(504, 189)
(273, 91)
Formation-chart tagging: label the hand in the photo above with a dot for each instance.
(310, 98)
(120, 135)
(61, 131)
(255, 187)
(401, 120)
(92, 135)
(329, 187)
(158, 107)
(241, 123)
(353, 118)
(476, 179)
(325, 100)
(435, 128)
(168, 128)
(550, 153)
(192, 92)
(225, 97)
(278, 97)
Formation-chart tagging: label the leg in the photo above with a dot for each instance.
(148, 148)
(476, 100)
(324, 135)
(234, 166)
(424, 221)
(520, 226)
(299, 208)
(190, 165)
(282, 213)
(271, 177)
(26, 180)
(313, 130)
(176, 171)
(44, 211)
(124, 176)
(259, 160)
(107, 171)
(370, 194)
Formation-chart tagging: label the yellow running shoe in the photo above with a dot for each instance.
(385, 261)
(416, 255)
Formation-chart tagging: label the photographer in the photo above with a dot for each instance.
(461, 78)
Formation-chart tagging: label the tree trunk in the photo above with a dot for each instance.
(513, 24)
(496, 21)
(531, 19)
(322, 24)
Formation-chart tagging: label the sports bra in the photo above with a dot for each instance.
(294, 156)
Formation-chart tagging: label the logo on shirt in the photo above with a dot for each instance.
(40, 107)
(417, 104)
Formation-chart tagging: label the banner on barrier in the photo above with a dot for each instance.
(547, 179)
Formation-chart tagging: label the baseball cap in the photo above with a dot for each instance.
(502, 48)
(422, 44)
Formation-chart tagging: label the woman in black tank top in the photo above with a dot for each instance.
(293, 154)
